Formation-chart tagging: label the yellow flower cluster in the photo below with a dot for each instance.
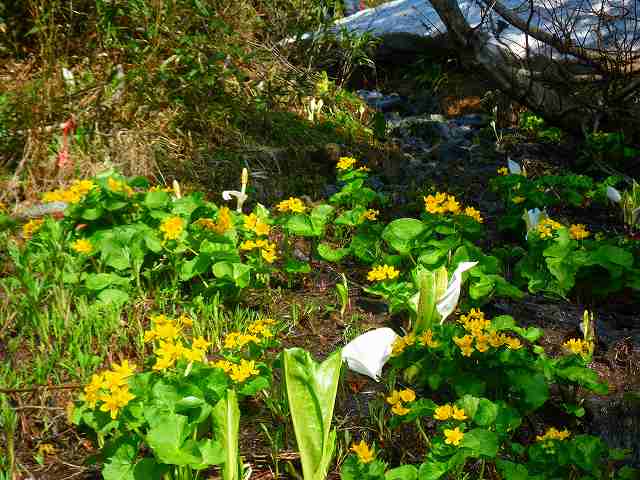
(74, 194)
(578, 231)
(547, 226)
(473, 213)
(82, 245)
(504, 171)
(441, 203)
(553, 434)
(170, 349)
(30, 228)
(111, 388)
(160, 188)
(427, 339)
(254, 224)
(478, 326)
(365, 454)
(267, 248)
(119, 186)
(171, 228)
(447, 411)
(258, 331)
(397, 398)
(401, 343)
(243, 371)
(223, 223)
(382, 272)
(579, 346)
(453, 436)
(370, 215)
(292, 204)
(345, 163)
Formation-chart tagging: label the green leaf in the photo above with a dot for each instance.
(401, 233)
(431, 285)
(113, 296)
(330, 254)
(583, 376)
(92, 214)
(320, 215)
(608, 254)
(432, 470)
(301, 225)
(311, 391)
(196, 266)
(167, 438)
(296, 266)
(156, 200)
(405, 472)
(511, 470)
(351, 217)
(481, 442)
(100, 281)
(239, 273)
(587, 452)
(532, 387)
(226, 424)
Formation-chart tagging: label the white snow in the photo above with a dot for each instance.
(580, 17)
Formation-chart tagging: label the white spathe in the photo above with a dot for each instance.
(614, 195)
(514, 168)
(449, 300)
(532, 219)
(368, 353)
(241, 195)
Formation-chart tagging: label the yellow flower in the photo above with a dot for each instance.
(496, 339)
(262, 229)
(46, 449)
(427, 339)
(115, 400)
(124, 369)
(473, 213)
(206, 223)
(441, 203)
(30, 228)
(553, 434)
(512, 343)
(345, 163)
(171, 228)
(518, 199)
(167, 331)
(231, 340)
(193, 354)
(82, 245)
(382, 272)
(168, 353)
(224, 365)
(247, 245)
(224, 221)
(407, 395)
(453, 437)
(268, 253)
(370, 215)
(74, 194)
(579, 346)
(458, 413)
(400, 409)
(239, 373)
(503, 171)
(200, 343)
(185, 319)
(394, 398)
(292, 204)
(113, 381)
(92, 389)
(465, 344)
(365, 454)
(118, 186)
(547, 226)
(578, 231)
(443, 412)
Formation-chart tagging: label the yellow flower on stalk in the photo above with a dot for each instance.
(553, 434)
(382, 272)
(399, 409)
(224, 365)
(92, 389)
(168, 353)
(240, 373)
(503, 171)
(200, 343)
(370, 215)
(345, 163)
(394, 398)
(578, 231)
(83, 246)
(167, 331)
(116, 400)
(268, 253)
(118, 186)
(193, 354)
(579, 346)
(224, 221)
(512, 343)
(407, 395)
(401, 343)
(465, 344)
(254, 224)
(441, 203)
(124, 369)
(362, 450)
(74, 194)
(427, 339)
(473, 213)
(186, 320)
(247, 245)
(113, 381)
(30, 228)
(518, 199)
(496, 339)
(443, 412)
(458, 413)
(453, 437)
(171, 228)
(206, 223)
(292, 204)
(547, 226)
(46, 449)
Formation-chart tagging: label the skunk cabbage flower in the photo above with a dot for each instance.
(614, 195)
(367, 353)
(532, 218)
(241, 196)
(514, 168)
(449, 300)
